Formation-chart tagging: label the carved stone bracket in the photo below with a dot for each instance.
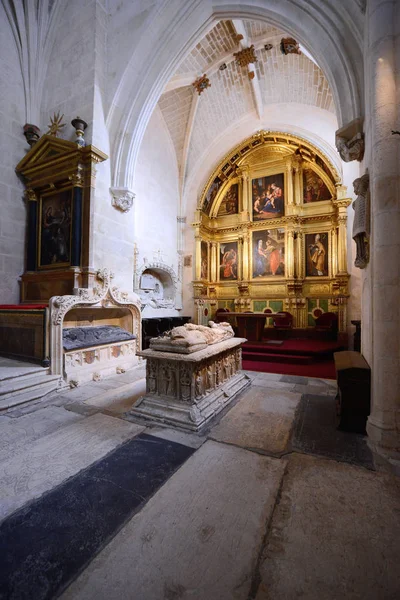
(350, 141)
(122, 198)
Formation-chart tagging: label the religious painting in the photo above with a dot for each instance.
(268, 197)
(316, 254)
(55, 229)
(230, 202)
(211, 194)
(314, 188)
(204, 261)
(268, 253)
(228, 261)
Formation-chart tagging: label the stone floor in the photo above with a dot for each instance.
(270, 502)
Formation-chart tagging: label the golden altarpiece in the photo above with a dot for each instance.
(270, 232)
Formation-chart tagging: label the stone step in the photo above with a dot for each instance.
(47, 462)
(26, 389)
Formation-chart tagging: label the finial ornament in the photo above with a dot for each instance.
(55, 124)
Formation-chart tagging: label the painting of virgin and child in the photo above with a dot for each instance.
(268, 197)
(268, 253)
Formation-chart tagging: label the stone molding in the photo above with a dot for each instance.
(122, 198)
(102, 295)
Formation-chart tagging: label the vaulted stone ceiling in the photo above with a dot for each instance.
(195, 121)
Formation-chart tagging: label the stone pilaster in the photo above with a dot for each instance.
(382, 75)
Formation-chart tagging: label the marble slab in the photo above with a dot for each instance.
(262, 419)
(335, 533)
(46, 544)
(50, 460)
(18, 433)
(199, 537)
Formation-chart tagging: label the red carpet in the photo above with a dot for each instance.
(304, 357)
(322, 369)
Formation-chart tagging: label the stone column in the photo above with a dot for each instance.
(382, 64)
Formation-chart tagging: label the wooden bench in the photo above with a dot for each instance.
(354, 391)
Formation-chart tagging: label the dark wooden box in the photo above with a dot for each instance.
(354, 391)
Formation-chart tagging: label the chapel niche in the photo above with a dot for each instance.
(157, 288)
(270, 232)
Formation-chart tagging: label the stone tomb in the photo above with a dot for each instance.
(187, 390)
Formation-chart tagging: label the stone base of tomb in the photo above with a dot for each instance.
(99, 362)
(188, 390)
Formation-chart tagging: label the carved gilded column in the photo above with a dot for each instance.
(300, 255)
(246, 255)
(289, 182)
(246, 192)
(289, 260)
(31, 251)
(240, 258)
(198, 257)
(297, 180)
(213, 269)
(341, 206)
(334, 252)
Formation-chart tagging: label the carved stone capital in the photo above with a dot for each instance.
(122, 198)
(350, 141)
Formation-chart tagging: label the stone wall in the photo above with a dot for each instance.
(12, 148)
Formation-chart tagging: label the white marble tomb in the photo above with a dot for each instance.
(187, 390)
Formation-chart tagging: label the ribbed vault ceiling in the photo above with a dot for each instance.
(195, 121)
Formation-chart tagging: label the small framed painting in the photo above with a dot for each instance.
(55, 229)
(316, 248)
(204, 261)
(268, 253)
(314, 188)
(268, 197)
(230, 202)
(228, 261)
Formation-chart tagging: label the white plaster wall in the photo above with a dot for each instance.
(69, 83)
(13, 147)
(156, 186)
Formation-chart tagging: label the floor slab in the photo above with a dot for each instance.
(46, 544)
(198, 538)
(262, 419)
(50, 460)
(16, 433)
(335, 534)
